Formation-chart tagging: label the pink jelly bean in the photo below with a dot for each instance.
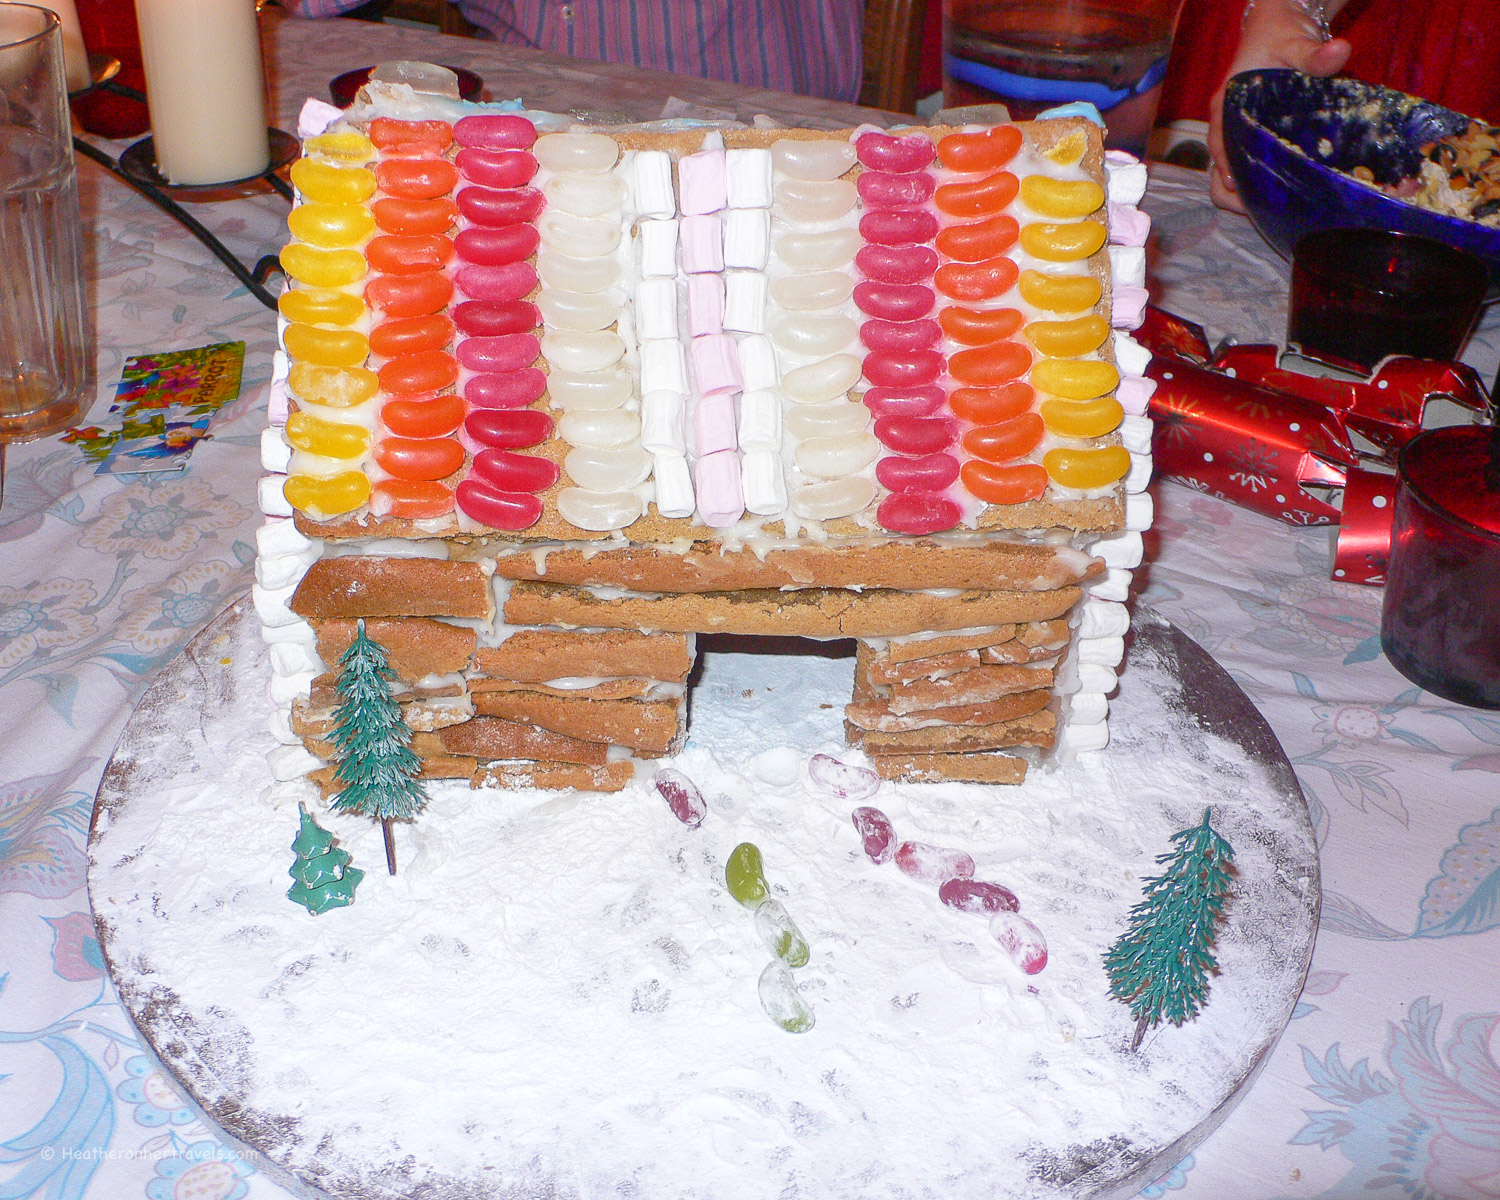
(491, 318)
(918, 513)
(500, 206)
(882, 152)
(915, 436)
(927, 863)
(978, 896)
(889, 226)
(507, 471)
(498, 355)
(879, 835)
(682, 797)
(508, 428)
(904, 370)
(905, 401)
(930, 473)
(894, 301)
(1022, 940)
(495, 131)
(844, 780)
(499, 510)
(515, 390)
(513, 281)
(899, 337)
(494, 246)
(496, 168)
(883, 189)
(897, 264)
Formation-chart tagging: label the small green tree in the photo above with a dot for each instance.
(324, 878)
(1160, 965)
(376, 767)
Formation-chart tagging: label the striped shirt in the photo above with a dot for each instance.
(812, 47)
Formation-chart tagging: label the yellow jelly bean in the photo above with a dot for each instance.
(326, 347)
(322, 268)
(331, 225)
(1086, 469)
(1061, 198)
(324, 498)
(326, 183)
(344, 145)
(1082, 418)
(1064, 339)
(319, 307)
(1074, 379)
(1069, 149)
(1060, 293)
(326, 438)
(1062, 243)
(334, 386)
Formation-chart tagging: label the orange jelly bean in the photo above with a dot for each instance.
(411, 499)
(986, 366)
(396, 215)
(416, 179)
(428, 417)
(978, 240)
(976, 281)
(990, 406)
(387, 132)
(419, 458)
(979, 198)
(1008, 440)
(1086, 469)
(974, 152)
(321, 498)
(336, 387)
(325, 347)
(398, 254)
(1068, 339)
(429, 371)
(410, 335)
(1082, 418)
(979, 326)
(410, 295)
(995, 484)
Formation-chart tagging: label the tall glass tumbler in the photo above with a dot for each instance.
(46, 362)
(1033, 54)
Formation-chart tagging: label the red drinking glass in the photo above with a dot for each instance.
(1440, 621)
(109, 28)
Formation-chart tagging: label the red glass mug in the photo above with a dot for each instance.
(109, 28)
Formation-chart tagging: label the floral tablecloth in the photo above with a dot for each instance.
(1386, 1083)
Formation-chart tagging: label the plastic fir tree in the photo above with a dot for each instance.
(1161, 964)
(324, 878)
(376, 768)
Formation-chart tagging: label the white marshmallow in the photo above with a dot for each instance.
(1114, 586)
(760, 422)
(282, 536)
(283, 570)
(674, 485)
(268, 494)
(1135, 433)
(1125, 176)
(663, 368)
(1103, 652)
(749, 178)
(280, 727)
(764, 484)
(758, 363)
(658, 241)
(1127, 265)
(656, 308)
(1082, 739)
(747, 237)
(1122, 551)
(296, 631)
(286, 688)
(275, 454)
(745, 301)
(1103, 618)
(293, 658)
(1137, 479)
(271, 605)
(1131, 357)
(1087, 708)
(662, 423)
(651, 183)
(292, 762)
(1096, 678)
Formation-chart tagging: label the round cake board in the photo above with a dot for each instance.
(406, 1045)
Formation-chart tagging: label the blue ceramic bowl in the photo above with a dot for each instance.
(1292, 140)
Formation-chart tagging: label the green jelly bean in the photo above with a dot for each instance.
(745, 876)
(780, 999)
(780, 933)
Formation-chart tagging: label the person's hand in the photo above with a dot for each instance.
(1277, 33)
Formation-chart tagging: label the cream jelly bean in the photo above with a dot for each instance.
(576, 153)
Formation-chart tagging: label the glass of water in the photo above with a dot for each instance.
(46, 360)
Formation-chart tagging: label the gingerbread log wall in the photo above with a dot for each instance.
(555, 404)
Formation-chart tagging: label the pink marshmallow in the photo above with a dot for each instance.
(703, 182)
(278, 407)
(702, 242)
(1128, 306)
(716, 363)
(705, 304)
(1134, 394)
(721, 499)
(1128, 225)
(714, 424)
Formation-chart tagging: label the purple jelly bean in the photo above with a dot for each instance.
(905, 401)
(682, 797)
(495, 131)
(512, 281)
(897, 264)
(884, 152)
(898, 337)
(499, 355)
(933, 864)
(879, 835)
(843, 780)
(515, 390)
(892, 226)
(930, 473)
(500, 206)
(885, 189)
(492, 246)
(1020, 939)
(978, 896)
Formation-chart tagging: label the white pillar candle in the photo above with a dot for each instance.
(206, 88)
(75, 57)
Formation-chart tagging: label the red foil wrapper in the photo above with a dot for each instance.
(1364, 541)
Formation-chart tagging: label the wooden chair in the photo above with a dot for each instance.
(893, 53)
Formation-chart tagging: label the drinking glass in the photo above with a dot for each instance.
(46, 364)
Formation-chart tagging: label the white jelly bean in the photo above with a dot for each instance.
(607, 470)
(835, 457)
(581, 152)
(586, 237)
(822, 381)
(800, 200)
(585, 195)
(813, 335)
(592, 391)
(819, 251)
(826, 420)
(583, 352)
(580, 311)
(610, 430)
(810, 293)
(576, 274)
(815, 159)
(599, 511)
(833, 498)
